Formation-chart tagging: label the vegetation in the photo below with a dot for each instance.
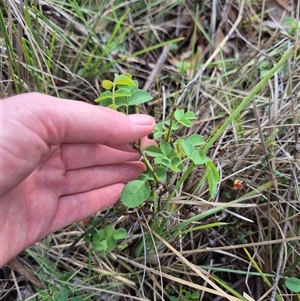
(218, 214)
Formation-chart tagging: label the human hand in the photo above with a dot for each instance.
(61, 161)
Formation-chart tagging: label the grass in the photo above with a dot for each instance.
(243, 244)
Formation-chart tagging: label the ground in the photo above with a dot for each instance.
(235, 65)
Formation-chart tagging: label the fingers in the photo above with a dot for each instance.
(79, 155)
(86, 179)
(76, 207)
(62, 121)
(31, 130)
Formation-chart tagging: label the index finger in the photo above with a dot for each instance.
(67, 121)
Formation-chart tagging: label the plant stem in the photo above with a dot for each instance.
(182, 179)
(148, 164)
(142, 153)
(171, 123)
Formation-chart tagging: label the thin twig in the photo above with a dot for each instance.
(217, 50)
(157, 68)
(287, 209)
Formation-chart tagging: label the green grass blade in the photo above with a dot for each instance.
(247, 99)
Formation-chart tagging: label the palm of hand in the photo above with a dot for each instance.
(30, 209)
(54, 196)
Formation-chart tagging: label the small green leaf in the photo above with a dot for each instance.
(159, 130)
(175, 161)
(100, 246)
(198, 159)
(188, 148)
(157, 135)
(66, 276)
(164, 161)
(43, 294)
(196, 140)
(95, 221)
(161, 173)
(174, 127)
(62, 295)
(213, 178)
(153, 151)
(159, 127)
(135, 193)
(121, 101)
(101, 234)
(111, 243)
(133, 88)
(122, 92)
(109, 230)
(139, 97)
(53, 289)
(189, 115)
(105, 103)
(122, 80)
(113, 106)
(165, 148)
(107, 84)
(293, 284)
(178, 148)
(176, 164)
(127, 75)
(184, 118)
(145, 176)
(186, 122)
(103, 96)
(178, 114)
(120, 234)
(195, 295)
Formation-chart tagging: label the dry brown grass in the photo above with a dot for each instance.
(226, 49)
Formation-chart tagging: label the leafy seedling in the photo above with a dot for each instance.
(170, 157)
(122, 93)
(105, 240)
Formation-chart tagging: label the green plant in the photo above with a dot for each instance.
(185, 295)
(294, 25)
(171, 157)
(293, 284)
(122, 93)
(105, 240)
(56, 294)
(61, 47)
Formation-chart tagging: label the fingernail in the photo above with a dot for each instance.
(140, 119)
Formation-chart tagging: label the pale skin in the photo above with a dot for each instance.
(61, 161)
